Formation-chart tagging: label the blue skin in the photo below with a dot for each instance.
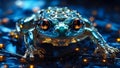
(60, 20)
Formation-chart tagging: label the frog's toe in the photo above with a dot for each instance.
(101, 52)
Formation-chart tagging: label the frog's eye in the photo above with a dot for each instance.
(77, 24)
(45, 24)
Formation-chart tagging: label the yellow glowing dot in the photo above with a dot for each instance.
(85, 60)
(118, 39)
(11, 33)
(31, 66)
(73, 40)
(21, 26)
(104, 60)
(1, 45)
(44, 27)
(16, 36)
(1, 58)
(77, 49)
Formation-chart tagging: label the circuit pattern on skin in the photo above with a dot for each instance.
(60, 27)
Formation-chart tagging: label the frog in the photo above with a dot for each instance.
(59, 26)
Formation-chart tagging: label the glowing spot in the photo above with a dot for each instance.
(5, 66)
(1, 45)
(85, 60)
(22, 60)
(5, 20)
(11, 33)
(94, 24)
(16, 36)
(1, 57)
(104, 60)
(21, 26)
(118, 39)
(77, 49)
(31, 66)
(108, 26)
(78, 26)
(73, 40)
(91, 19)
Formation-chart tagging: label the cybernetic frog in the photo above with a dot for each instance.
(60, 27)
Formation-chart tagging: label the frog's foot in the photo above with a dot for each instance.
(40, 51)
(106, 51)
(28, 53)
(112, 50)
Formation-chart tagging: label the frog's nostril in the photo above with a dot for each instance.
(61, 30)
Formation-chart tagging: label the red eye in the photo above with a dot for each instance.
(77, 24)
(45, 24)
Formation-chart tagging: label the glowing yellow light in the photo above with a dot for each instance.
(118, 39)
(31, 66)
(73, 40)
(16, 36)
(44, 27)
(1, 45)
(77, 49)
(1, 58)
(85, 60)
(21, 26)
(104, 60)
(12, 33)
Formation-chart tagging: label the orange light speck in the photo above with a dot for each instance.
(85, 60)
(16, 36)
(77, 49)
(1, 57)
(104, 60)
(31, 66)
(5, 20)
(1, 45)
(118, 39)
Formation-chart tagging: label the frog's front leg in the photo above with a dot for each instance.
(28, 39)
(102, 47)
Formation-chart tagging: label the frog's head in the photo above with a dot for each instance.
(60, 22)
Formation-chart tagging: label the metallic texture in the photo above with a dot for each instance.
(60, 32)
